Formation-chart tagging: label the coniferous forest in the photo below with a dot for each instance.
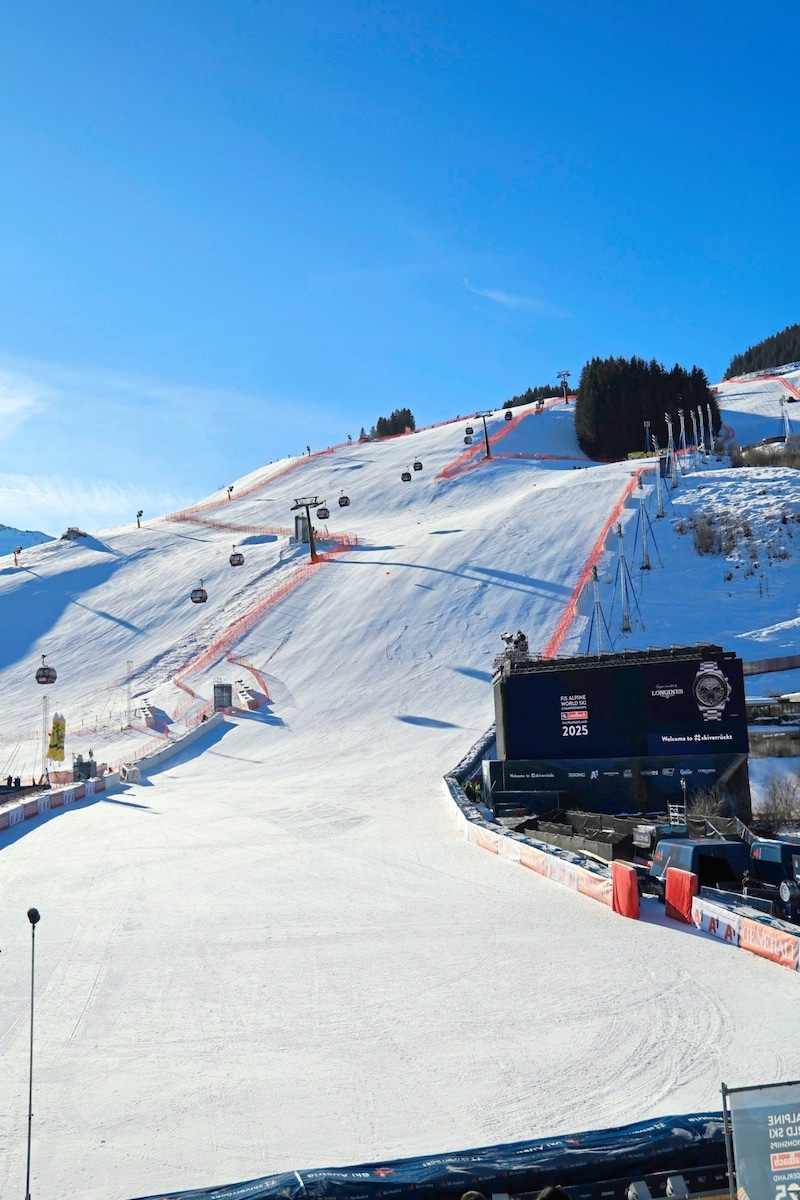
(400, 421)
(774, 351)
(543, 392)
(617, 395)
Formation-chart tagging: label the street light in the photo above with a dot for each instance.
(33, 917)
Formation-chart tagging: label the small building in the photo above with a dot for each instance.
(83, 768)
(72, 533)
(301, 529)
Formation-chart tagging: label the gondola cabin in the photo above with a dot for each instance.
(45, 674)
(417, 465)
(323, 513)
(237, 558)
(508, 414)
(469, 430)
(406, 476)
(198, 595)
(467, 440)
(344, 501)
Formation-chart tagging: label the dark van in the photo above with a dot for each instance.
(715, 862)
(774, 861)
(776, 869)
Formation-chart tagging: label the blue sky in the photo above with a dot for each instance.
(231, 229)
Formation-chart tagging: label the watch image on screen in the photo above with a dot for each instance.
(711, 690)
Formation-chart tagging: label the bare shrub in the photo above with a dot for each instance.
(768, 456)
(707, 802)
(727, 541)
(780, 808)
(705, 536)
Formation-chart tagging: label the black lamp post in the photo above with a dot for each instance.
(33, 917)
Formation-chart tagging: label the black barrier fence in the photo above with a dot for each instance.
(612, 786)
(576, 1161)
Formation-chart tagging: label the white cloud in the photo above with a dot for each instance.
(90, 446)
(509, 300)
(20, 397)
(49, 503)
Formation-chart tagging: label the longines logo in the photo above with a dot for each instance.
(665, 691)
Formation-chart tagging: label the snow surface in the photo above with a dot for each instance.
(752, 406)
(279, 952)
(10, 537)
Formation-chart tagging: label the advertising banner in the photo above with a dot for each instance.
(774, 944)
(674, 1144)
(692, 707)
(605, 783)
(766, 1141)
(58, 734)
(715, 919)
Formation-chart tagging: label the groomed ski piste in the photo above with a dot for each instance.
(278, 952)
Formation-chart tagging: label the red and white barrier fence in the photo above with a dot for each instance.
(775, 940)
(57, 798)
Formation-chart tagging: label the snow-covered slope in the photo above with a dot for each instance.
(10, 537)
(279, 952)
(752, 406)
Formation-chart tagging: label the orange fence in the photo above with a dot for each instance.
(239, 661)
(473, 457)
(781, 379)
(570, 612)
(145, 748)
(231, 526)
(209, 505)
(348, 539)
(243, 624)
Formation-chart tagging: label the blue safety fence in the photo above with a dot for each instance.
(667, 1144)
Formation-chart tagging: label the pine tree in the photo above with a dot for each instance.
(400, 421)
(616, 396)
(775, 351)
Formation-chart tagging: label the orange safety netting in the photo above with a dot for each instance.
(570, 612)
(243, 624)
(468, 459)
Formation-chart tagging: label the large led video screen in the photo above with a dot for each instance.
(636, 710)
